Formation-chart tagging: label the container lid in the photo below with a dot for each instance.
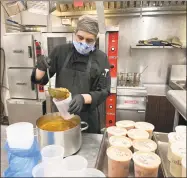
(117, 131)
(146, 159)
(174, 137)
(125, 123)
(119, 153)
(145, 145)
(144, 126)
(120, 141)
(179, 149)
(92, 172)
(138, 134)
(183, 162)
(180, 129)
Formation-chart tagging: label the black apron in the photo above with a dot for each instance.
(78, 82)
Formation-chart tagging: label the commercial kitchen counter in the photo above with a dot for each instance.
(178, 99)
(89, 149)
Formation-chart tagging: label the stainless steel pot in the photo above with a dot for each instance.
(70, 139)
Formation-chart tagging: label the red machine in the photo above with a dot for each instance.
(112, 57)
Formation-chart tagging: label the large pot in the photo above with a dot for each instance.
(70, 139)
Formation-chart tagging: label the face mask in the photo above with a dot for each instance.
(83, 48)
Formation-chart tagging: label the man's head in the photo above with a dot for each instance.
(86, 34)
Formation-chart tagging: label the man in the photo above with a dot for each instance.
(82, 69)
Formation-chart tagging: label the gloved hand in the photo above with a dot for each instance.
(76, 104)
(43, 63)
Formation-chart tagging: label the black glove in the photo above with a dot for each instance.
(76, 104)
(43, 63)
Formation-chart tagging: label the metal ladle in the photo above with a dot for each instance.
(58, 93)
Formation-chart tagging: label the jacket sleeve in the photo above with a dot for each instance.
(101, 86)
(52, 69)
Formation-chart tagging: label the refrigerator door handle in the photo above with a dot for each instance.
(32, 86)
(30, 51)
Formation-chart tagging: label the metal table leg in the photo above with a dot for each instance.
(176, 119)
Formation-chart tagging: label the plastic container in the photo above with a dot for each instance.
(172, 138)
(120, 141)
(52, 153)
(178, 151)
(20, 135)
(183, 162)
(74, 166)
(116, 131)
(118, 161)
(92, 172)
(44, 170)
(145, 126)
(63, 106)
(180, 129)
(145, 145)
(127, 124)
(146, 164)
(137, 134)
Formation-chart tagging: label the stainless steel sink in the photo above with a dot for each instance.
(178, 85)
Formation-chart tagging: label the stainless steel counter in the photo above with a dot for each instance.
(89, 149)
(178, 99)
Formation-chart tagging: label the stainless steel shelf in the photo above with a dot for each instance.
(154, 47)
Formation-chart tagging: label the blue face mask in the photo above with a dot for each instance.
(83, 48)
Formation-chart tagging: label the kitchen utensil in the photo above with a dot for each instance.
(58, 93)
(74, 166)
(70, 139)
(20, 135)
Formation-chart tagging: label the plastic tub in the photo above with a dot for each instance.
(92, 172)
(145, 126)
(183, 162)
(53, 153)
(145, 145)
(120, 141)
(146, 164)
(137, 134)
(172, 138)
(178, 150)
(47, 170)
(20, 135)
(127, 124)
(116, 131)
(74, 166)
(118, 161)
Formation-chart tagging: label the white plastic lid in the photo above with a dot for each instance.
(125, 123)
(180, 129)
(145, 126)
(179, 149)
(136, 134)
(144, 145)
(117, 131)
(120, 141)
(119, 153)
(174, 137)
(146, 159)
(183, 162)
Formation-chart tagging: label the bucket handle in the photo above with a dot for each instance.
(86, 127)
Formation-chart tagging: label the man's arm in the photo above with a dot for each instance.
(39, 74)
